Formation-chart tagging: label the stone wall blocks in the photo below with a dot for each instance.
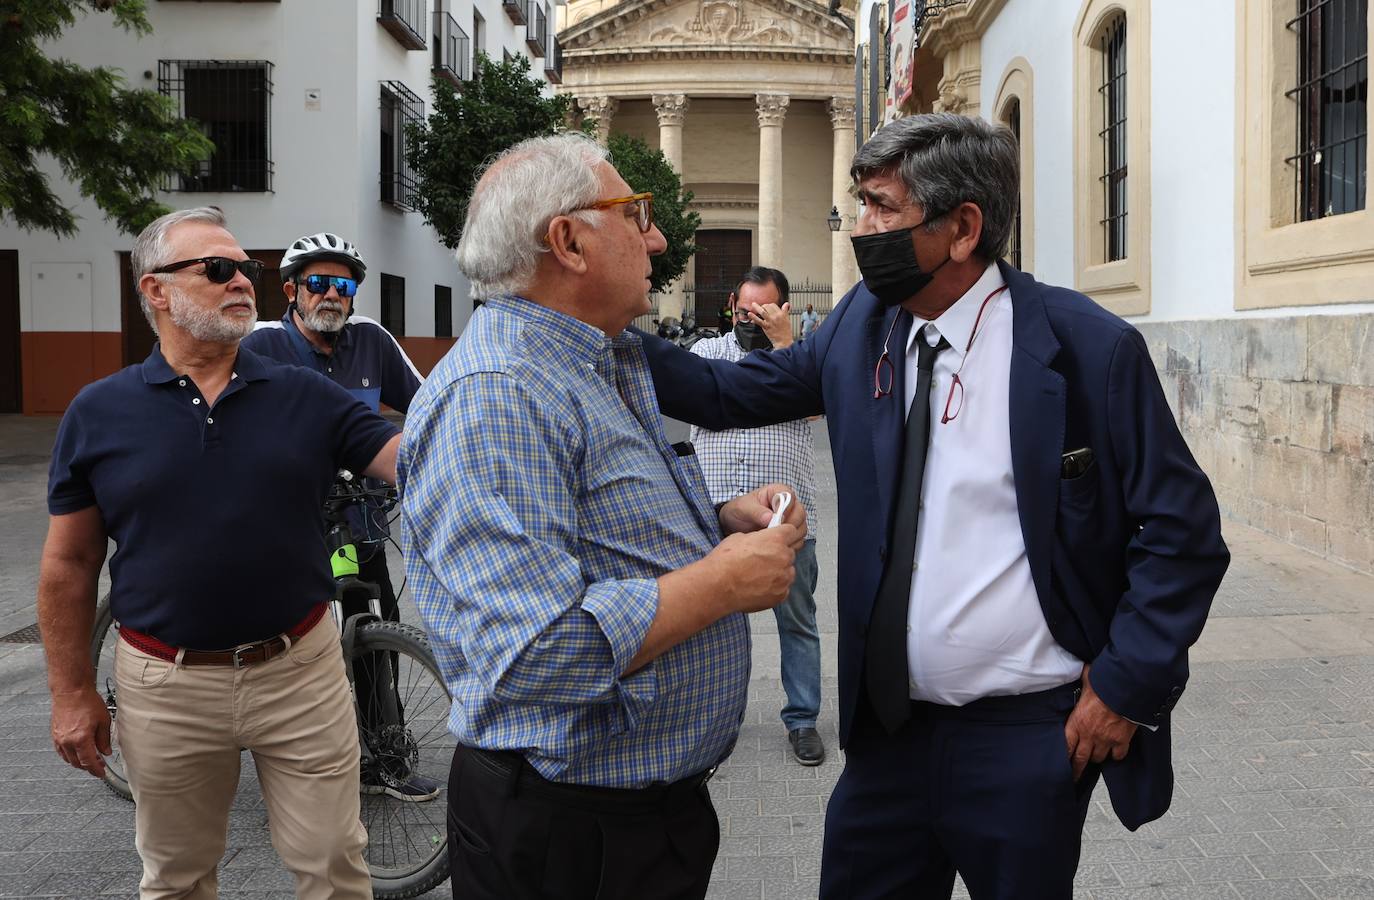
(1352, 421)
(1222, 347)
(1274, 480)
(1276, 348)
(1349, 486)
(1310, 421)
(1353, 547)
(1341, 349)
(1275, 410)
(1239, 406)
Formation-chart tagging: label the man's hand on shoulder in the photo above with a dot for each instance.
(1094, 732)
(754, 510)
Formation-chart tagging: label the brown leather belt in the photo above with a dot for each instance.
(238, 657)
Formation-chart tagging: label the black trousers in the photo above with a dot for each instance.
(512, 835)
(986, 790)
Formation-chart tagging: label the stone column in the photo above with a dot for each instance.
(600, 109)
(671, 109)
(772, 108)
(843, 269)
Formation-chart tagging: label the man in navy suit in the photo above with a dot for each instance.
(1027, 547)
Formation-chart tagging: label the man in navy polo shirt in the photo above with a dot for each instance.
(320, 275)
(208, 466)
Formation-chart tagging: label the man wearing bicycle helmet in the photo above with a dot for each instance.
(320, 275)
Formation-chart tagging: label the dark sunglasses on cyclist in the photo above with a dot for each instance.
(320, 284)
(219, 269)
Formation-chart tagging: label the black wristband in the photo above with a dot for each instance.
(719, 507)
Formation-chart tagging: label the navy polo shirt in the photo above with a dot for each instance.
(216, 512)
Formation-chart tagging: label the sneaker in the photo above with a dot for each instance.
(807, 746)
(415, 789)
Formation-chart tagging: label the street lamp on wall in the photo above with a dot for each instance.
(834, 220)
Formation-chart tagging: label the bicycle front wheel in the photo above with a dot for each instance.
(407, 750)
(104, 638)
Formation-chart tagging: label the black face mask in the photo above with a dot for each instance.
(887, 261)
(751, 337)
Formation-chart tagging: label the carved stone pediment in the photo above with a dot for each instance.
(694, 25)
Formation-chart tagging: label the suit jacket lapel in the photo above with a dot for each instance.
(1037, 400)
(888, 412)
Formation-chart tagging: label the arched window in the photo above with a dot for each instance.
(1111, 159)
(1014, 107)
(1302, 128)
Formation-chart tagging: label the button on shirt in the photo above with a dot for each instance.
(541, 501)
(738, 460)
(216, 511)
(976, 628)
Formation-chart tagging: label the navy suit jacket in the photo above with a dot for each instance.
(1125, 558)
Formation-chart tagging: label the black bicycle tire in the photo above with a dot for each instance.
(104, 630)
(398, 637)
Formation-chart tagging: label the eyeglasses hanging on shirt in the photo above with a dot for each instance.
(883, 387)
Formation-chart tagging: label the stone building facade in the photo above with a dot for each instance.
(752, 101)
(1201, 169)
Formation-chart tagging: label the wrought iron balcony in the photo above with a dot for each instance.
(553, 62)
(536, 27)
(405, 20)
(451, 57)
(515, 10)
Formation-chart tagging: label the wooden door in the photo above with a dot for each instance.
(722, 256)
(11, 372)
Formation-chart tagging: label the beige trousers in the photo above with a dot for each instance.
(181, 729)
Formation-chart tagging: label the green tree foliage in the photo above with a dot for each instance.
(116, 144)
(646, 169)
(498, 108)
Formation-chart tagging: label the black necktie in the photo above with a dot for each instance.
(885, 664)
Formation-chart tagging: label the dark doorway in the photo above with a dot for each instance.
(11, 373)
(138, 335)
(722, 256)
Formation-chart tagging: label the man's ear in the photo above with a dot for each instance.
(564, 240)
(156, 291)
(968, 223)
(289, 289)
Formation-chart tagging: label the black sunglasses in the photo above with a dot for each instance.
(219, 269)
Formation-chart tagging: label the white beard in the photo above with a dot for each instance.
(326, 318)
(210, 325)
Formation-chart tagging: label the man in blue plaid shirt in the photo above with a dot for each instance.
(589, 621)
(738, 460)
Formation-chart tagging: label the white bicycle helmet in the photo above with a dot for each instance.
(322, 246)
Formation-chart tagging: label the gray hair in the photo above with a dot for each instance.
(518, 193)
(947, 159)
(151, 250)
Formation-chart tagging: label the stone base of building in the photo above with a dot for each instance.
(1280, 414)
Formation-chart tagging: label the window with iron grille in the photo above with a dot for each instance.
(860, 54)
(394, 304)
(231, 101)
(405, 21)
(1331, 103)
(536, 24)
(553, 61)
(400, 107)
(515, 11)
(451, 57)
(876, 43)
(443, 311)
(1112, 137)
(1013, 120)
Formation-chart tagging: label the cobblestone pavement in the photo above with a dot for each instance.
(1274, 748)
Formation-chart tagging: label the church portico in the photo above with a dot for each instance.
(740, 97)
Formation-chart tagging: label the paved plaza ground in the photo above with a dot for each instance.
(1274, 747)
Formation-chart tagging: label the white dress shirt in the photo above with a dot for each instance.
(975, 624)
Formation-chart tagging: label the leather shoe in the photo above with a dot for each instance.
(807, 746)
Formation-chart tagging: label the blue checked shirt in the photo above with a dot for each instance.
(541, 503)
(737, 460)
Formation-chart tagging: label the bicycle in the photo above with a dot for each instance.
(404, 732)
